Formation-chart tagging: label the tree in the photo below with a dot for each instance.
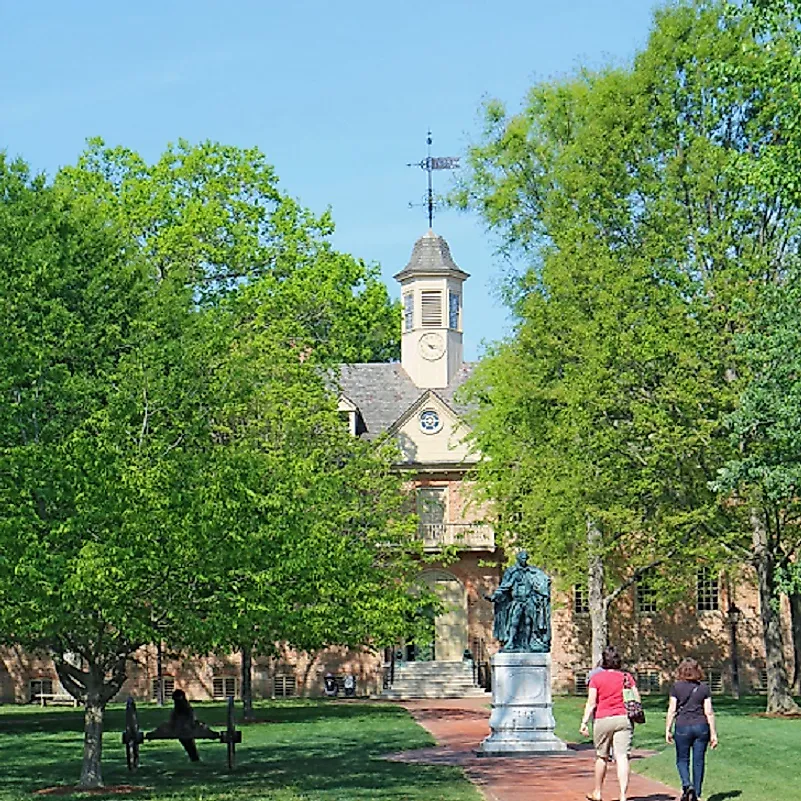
(163, 370)
(764, 473)
(681, 178)
(586, 414)
(315, 543)
(80, 555)
(214, 217)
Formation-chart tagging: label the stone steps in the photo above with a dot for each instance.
(433, 680)
(402, 695)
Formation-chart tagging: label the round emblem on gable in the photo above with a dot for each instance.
(430, 421)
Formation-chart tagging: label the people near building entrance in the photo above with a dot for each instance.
(611, 725)
(349, 685)
(523, 609)
(690, 708)
(330, 686)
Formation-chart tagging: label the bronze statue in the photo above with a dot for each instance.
(523, 609)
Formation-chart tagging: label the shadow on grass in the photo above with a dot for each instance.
(726, 795)
(309, 749)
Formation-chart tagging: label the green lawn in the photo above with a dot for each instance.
(757, 759)
(324, 751)
(299, 751)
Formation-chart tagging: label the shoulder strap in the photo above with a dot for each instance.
(687, 699)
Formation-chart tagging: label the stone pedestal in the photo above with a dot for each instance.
(522, 719)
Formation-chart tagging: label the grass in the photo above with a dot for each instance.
(327, 751)
(297, 751)
(757, 759)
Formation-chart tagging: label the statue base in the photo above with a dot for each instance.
(522, 719)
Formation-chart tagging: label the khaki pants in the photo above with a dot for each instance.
(612, 732)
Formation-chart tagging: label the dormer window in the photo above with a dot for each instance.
(431, 304)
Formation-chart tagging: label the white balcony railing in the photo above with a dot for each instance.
(471, 536)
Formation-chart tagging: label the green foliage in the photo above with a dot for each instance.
(656, 208)
(156, 444)
(764, 426)
(213, 217)
(589, 413)
(172, 462)
(647, 245)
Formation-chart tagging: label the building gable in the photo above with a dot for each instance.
(430, 433)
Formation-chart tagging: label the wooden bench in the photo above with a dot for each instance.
(54, 699)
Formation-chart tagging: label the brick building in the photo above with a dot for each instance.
(416, 401)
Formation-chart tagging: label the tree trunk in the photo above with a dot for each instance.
(91, 774)
(247, 684)
(159, 674)
(599, 606)
(795, 614)
(779, 698)
(95, 685)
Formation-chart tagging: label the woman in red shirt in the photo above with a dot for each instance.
(611, 727)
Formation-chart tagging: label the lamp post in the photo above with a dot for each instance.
(734, 616)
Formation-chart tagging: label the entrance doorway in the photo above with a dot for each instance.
(450, 628)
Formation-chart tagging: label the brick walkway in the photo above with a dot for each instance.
(459, 725)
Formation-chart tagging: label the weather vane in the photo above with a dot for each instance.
(429, 164)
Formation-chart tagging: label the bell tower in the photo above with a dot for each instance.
(431, 293)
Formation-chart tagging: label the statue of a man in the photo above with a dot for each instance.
(523, 609)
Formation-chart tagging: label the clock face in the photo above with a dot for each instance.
(432, 346)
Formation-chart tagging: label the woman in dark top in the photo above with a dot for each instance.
(691, 709)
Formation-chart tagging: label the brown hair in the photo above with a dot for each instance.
(690, 670)
(610, 658)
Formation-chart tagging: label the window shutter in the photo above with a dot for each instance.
(431, 304)
(169, 687)
(283, 686)
(223, 686)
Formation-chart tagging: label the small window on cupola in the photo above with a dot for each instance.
(454, 307)
(408, 311)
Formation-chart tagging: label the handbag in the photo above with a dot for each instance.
(634, 710)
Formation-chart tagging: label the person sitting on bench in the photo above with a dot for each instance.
(183, 717)
(183, 726)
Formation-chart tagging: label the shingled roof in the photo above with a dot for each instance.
(383, 392)
(430, 256)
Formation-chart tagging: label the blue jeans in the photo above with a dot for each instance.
(693, 739)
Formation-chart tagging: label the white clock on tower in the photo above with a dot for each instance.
(431, 346)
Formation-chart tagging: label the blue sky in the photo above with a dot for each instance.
(338, 95)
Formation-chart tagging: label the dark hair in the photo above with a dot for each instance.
(610, 659)
(690, 670)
